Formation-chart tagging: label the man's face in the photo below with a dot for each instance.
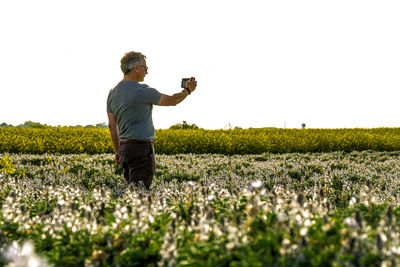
(142, 70)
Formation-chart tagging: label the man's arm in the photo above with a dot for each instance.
(175, 99)
(172, 100)
(112, 126)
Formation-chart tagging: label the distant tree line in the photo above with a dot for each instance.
(184, 125)
(31, 124)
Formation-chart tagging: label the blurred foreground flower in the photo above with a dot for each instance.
(255, 185)
(24, 256)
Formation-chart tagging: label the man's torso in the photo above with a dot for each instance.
(132, 104)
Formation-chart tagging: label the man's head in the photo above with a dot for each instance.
(134, 64)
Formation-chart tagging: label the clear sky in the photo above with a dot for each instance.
(328, 64)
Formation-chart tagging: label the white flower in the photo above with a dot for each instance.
(282, 217)
(33, 262)
(384, 238)
(24, 256)
(211, 197)
(257, 184)
(396, 250)
(191, 183)
(306, 214)
(123, 209)
(303, 231)
(350, 222)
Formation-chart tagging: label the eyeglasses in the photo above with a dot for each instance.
(145, 67)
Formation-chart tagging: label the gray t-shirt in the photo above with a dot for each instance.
(132, 105)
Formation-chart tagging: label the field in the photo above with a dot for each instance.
(289, 209)
(67, 140)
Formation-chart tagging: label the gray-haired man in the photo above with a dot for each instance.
(129, 111)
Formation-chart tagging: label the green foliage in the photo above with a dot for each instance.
(5, 125)
(101, 125)
(184, 125)
(31, 124)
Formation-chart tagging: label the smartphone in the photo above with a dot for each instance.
(184, 81)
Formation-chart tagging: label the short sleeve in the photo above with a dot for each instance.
(150, 95)
(109, 103)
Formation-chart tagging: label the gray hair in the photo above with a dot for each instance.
(131, 59)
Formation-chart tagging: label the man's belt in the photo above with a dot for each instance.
(127, 141)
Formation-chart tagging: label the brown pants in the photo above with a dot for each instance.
(137, 160)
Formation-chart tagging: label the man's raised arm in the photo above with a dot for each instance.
(175, 99)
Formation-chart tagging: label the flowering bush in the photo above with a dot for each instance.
(269, 209)
(6, 166)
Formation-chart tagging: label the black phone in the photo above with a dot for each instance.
(184, 81)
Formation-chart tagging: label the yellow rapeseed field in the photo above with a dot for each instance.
(67, 140)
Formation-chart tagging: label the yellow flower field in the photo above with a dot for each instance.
(67, 140)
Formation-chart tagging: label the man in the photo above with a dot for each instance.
(129, 111)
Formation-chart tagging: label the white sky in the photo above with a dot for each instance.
(329, 64)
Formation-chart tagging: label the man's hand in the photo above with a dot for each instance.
(175, 99)
(117, 158)
(191, 84)
(112, 125)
